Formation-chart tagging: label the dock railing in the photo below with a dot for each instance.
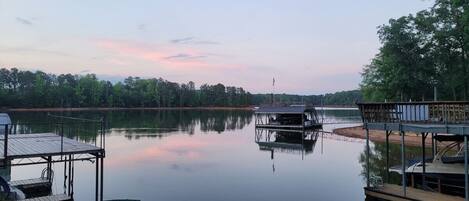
(442, 112)
(60, 125)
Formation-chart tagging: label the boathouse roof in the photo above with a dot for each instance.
(295, 109)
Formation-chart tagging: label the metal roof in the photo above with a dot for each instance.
(4, 119)
(283, 110)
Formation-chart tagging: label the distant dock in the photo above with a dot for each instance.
(295, 117)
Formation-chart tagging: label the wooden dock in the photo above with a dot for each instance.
(394, 192)
(53, 147)
(60, 197)
(433, 119)
(28, 183)
(43, 144)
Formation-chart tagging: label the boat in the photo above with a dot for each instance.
(443, 173)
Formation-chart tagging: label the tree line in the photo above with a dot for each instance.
(420, 53)
(27, 89)
(19, 88)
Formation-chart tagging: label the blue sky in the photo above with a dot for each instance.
(309, 46)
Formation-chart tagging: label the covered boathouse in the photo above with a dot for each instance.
(430, 176)
(287, 117)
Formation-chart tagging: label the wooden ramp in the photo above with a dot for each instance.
(61, 197)
(394, 192)
(43, 144)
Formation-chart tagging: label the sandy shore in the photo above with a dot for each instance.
(411, 139)
(119, 108)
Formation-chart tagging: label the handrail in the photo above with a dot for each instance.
(435, 112)
(58, 128)
(412, 103)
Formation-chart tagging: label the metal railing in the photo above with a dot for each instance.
(443, 112)
(59, 127)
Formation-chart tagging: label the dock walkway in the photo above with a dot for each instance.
(60, 197)
(394, 192)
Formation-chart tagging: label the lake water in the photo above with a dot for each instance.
(181, 155)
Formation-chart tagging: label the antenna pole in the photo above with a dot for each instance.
(273, 90)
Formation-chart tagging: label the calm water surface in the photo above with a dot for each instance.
(213, 155)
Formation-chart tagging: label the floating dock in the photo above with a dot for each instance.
(427, 119)
(294, 117)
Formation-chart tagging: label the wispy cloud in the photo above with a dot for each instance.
(85, 71)
(185, 56)
(193, 40)
(142, 27)
(24, 21)
(158, 55)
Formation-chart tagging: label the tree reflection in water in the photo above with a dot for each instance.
(378, 160)
(135, 124)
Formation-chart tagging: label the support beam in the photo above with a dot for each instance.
(424, 136)
(97, 179)
(387, 155)
(404, 183)
(466, 185)
(367, 158)
(102, 178)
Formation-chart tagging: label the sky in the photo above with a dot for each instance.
(308, 46)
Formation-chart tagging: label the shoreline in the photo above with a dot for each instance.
(73, 109)
(120, 109)
(411, 139)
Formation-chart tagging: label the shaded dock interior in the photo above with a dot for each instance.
(440, 121)
(19, 148)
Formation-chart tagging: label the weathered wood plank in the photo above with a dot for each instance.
(29, 182)
(60, 197)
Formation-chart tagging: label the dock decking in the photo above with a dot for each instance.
(394, 192)
(30, 182)
(60, 197)
(43, 144)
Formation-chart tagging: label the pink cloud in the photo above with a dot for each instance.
(169, 151)
(166, 56)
